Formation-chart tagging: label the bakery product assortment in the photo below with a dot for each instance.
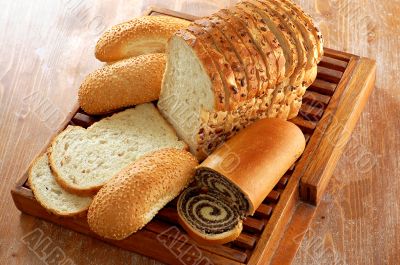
(143, 35)
(234, 180)
(134, 196)
(123, 84)
(83, 160)
(263, 52)
(233, 77)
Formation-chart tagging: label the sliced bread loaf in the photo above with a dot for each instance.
(50, 194)
(83, 160)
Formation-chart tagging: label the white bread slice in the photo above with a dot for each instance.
(83, 160)
(123, 84)
(51, 195)
(142, 35)
(232, 88)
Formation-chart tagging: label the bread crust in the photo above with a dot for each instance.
(265, 151)
(225, 48)
(241, 52)
(210, 64)
(270, 37)
(261, 71)
(134, 196)
(232, 96)
(142, 35)
(126, 83)
(310, 24)
(203, 239)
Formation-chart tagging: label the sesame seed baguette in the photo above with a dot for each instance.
(142, 35)
(123, 84)
(133, 197)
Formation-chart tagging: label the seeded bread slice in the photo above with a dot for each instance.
(225, 47)
(282, 27)
(83, 160)
(277, 91)
(50, 194)
(241, 52)
(232, 96)
(295, 9)
(247, 40)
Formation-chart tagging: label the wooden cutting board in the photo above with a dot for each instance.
(332, 106)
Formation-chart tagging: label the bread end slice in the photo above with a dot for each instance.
(50, 194)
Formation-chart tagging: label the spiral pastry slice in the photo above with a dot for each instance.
(207, 216)
(231, 193)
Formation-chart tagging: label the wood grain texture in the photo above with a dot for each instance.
(46, 49)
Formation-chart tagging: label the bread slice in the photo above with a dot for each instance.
(227, 75)
(277, 90)
(143, 35)
(254, 53)
(51, 195)
(225, 48)
(123, 84)
(242, 53)
(134, 196)
(293, 46)
(295, 9)
(83, 160)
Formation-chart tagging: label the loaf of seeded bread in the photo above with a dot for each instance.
(123, 84)
(143, 35)
(254, 60)
(83, 160)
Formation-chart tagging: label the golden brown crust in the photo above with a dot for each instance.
(244, 35)
(263, 152)
(123, 84)
(133, 197)
(143, 35)
(203, 239)
(232, 95)
(226, 48)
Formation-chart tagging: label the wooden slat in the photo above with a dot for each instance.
(307, 126)
(323, 87)
(340, 119)
(311, 113)
(315, 99)
(264, 211)
(333, 63)
(273, 196)
(245, 241)
(338, 54)
(84, 120)
(329, 75)
(251, 224)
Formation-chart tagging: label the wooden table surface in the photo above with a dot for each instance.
(47, 49)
